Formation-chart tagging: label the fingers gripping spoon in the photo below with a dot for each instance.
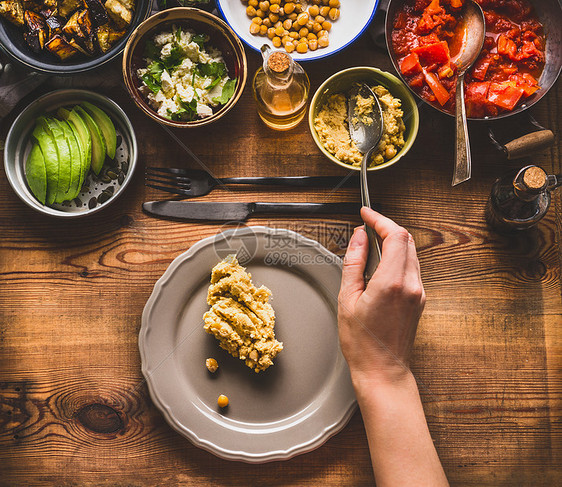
(366, 131)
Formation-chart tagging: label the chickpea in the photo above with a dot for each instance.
(319, 19)
(276, 41)
(292, 16)
(253, 3)
(390, 152)
(277, 24)
(309, 25)
(279, 31)
(286, 39)
(222, 401)
(257, 20)
(290, 47)
(260, 13)
(303, 32)
(274, 9)
(326, 25)
(316, 27)
(314, 10)
(334, 14)
(303, 18)
(323, 41)
(287, 24)
(254, 28)
(273, 18)
(263, 30)
(267, 22)
(294, 35)
(212, 365)
(264, 6)
(313, 44)
(271, 33)
(298, 8)
(250, 11)
(334, 3)
(324, 11)
(289, 8)
(311, 35)
(302, 47)
(274, 2)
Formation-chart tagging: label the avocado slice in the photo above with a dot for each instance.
(83, 138)
(47, 144)
(63, 185)
(105, 125)
(98, 145)
(36, 173)
(75, 161)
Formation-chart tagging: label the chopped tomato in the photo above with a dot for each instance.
(506, 46)
(410, 65)
(441, 94)
(433, 53)
(456, 3)
(522, 83)
(504, 95)
(476, 98)
(481, 67)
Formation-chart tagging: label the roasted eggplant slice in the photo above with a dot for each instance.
(129, 4)
(78, 47)
(67, 7)
(120, 14)
(98, 11)
(107, 37)
(38, 34)
(32, 5)
(71, 28)
(12, 10)
(54, 25)
(59, 47)
(79, 28)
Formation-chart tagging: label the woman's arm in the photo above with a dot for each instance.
(377, 326)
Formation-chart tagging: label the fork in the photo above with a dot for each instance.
(194, 182)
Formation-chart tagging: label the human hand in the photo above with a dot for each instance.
(378, 322)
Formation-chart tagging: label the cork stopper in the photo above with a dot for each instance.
(279, 62)
(535, 178)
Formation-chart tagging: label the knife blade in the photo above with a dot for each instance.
(240, 211)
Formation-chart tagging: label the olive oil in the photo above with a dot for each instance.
(280, 88)
(519, 200)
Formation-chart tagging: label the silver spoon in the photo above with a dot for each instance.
(366, 137)
(473, 31)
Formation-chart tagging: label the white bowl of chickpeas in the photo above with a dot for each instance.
(309, 30)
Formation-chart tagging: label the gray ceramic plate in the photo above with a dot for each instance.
(291, 408)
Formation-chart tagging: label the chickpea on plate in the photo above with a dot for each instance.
(291, 25)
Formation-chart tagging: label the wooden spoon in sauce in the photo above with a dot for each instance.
(469, 38)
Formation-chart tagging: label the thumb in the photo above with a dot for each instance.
(353, 281)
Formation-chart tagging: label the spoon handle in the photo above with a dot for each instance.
(374, 249)
(463, 166)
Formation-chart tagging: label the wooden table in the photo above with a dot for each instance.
(73, 406)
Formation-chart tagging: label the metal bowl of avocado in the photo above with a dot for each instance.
(70, 153)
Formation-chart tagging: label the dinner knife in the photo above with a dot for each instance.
(240, 211)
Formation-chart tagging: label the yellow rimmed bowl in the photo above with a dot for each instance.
(342, 82)
(222, 37)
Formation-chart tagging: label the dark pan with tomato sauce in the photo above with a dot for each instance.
(520, 60)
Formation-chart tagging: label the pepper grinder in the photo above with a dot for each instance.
(520, 199)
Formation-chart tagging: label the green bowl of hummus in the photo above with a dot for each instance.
(327, 118)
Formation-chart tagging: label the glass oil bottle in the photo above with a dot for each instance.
(280, 88)
(520, 199)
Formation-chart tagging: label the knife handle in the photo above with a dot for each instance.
(307, 208)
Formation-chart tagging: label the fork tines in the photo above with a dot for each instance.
(170, 177)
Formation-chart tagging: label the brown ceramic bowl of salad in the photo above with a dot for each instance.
(184, 67)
